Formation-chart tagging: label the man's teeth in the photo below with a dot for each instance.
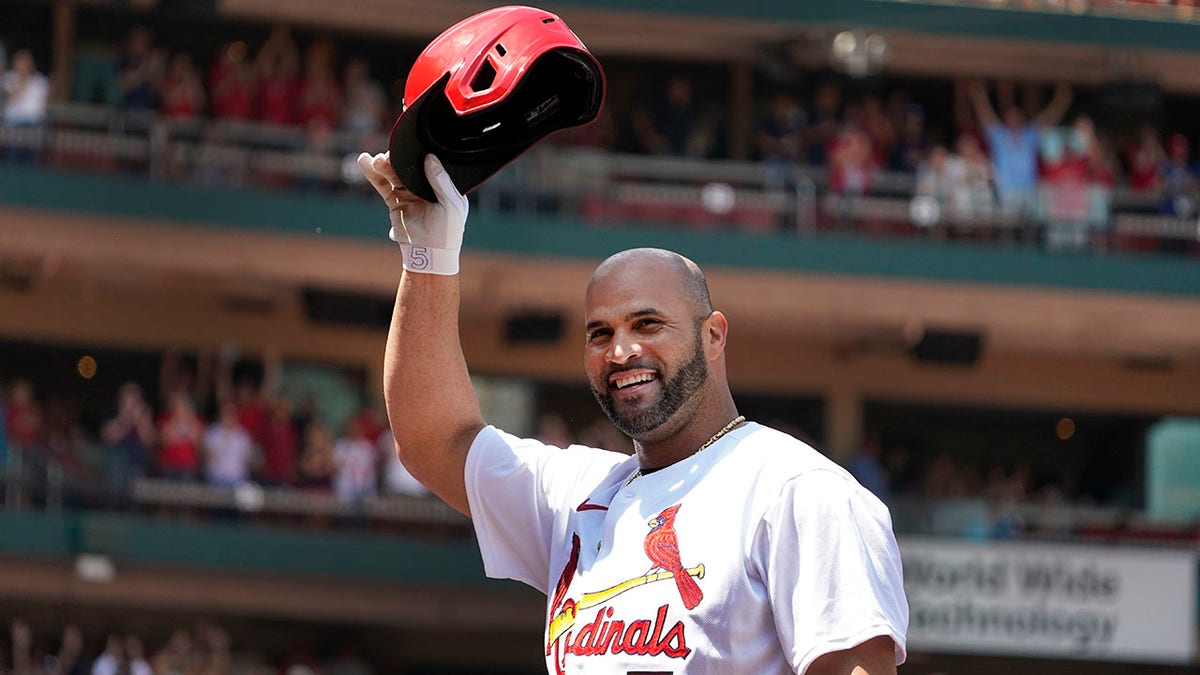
(628, 380)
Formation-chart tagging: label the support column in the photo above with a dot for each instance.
(63, 51)
(741, 109)
(843, 422)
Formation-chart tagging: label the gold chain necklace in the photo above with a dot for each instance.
(715, 437)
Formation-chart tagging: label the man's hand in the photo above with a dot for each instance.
(429, 234)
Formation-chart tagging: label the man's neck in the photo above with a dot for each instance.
(687, 441)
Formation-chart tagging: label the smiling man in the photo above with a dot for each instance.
(722, 546)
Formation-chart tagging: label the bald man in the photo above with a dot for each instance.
(721, 546)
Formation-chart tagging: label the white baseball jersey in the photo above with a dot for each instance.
(756, 555)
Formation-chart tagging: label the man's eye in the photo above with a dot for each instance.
(598, 335)
(648, 323)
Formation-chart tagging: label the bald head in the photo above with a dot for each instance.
(664, 264)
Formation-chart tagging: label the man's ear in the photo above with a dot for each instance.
(716, 330)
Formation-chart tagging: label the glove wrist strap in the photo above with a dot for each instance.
(430, 260)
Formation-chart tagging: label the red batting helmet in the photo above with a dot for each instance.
(488, 88)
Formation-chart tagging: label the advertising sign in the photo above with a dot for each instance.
(1069, 601)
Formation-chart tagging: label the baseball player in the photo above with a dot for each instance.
(721, 546)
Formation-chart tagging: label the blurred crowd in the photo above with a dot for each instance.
(209, 427)
(1006, 152)
(204, 649)
(1009, 151)
(1183, 8)
(276, 85)
(225, 427)
(994, 496)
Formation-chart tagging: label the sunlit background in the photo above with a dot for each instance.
(995, 328)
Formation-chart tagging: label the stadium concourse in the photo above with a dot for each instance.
(957, 244)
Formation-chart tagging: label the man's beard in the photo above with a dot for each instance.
(675, 392)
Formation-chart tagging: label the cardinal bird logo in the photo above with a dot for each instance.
(662, 548)
(564, 580)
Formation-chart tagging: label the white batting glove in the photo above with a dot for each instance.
(430, 234)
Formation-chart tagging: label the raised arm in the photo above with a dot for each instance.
(432, 409)
(1057, 108)
(983, 108)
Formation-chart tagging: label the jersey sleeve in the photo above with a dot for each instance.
(826, 552)
(516, 489)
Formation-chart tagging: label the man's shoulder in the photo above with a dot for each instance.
(780, 455)
(494, 440)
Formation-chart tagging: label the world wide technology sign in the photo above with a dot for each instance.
(1066, 601)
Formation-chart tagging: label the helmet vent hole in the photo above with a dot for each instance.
(500, 49)
(484, 78)
(549, 20)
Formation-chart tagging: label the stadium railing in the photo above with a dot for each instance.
(597, 185)
(44, 486)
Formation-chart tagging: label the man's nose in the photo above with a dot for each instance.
(624, 349)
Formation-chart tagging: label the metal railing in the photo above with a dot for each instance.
(589, 183)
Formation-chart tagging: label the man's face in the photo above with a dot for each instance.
(1013, 117)
(644, 354)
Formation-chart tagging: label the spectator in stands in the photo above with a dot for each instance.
(852, 162)
(281, 445)
(231, 84)
(878, 128)
(132, 660)
(978, 194)
(201, 651)
(356, 460)
(316, 461)
(362, 112)
(112, 659)
(278, 67)
(140, 70)
(825, 123)
(67, 444)
(674, 125)
(1013, 141)
(898, 463)
(960, 183)
(940, 176)
(192, 376)
(26, 96)
(22, 417)
(181, 95)
(946, 478)
(229, 452)
(176, 656)
(181, 432)
(553, 430)
(1145, 161)
(25, 661)
(600, 433)
(781, 139)
(1074, 180)
(319, 99)
(1179, 179)
(940, 187)
(250, 395)
(129, 435)
(26, 92)
(911, 141)
(867, 466)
